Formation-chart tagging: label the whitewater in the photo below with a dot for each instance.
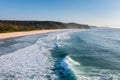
(64, 55)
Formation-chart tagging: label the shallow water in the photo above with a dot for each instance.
(68, 55)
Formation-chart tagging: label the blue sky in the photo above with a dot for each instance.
(92, 12)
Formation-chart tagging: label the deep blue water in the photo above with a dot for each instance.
(67, 55)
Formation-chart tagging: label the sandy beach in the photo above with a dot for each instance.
(4, 36)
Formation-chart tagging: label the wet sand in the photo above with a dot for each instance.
(5, 36)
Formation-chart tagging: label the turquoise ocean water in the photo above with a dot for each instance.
(67, 55)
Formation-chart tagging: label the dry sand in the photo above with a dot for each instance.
(4, 36)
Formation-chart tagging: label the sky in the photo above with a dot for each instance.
(102, 13)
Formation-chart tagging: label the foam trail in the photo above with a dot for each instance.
(32, 62)
(27, 63)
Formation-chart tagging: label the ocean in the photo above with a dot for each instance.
(92, 54)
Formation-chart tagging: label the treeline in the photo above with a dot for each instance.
(12, 26)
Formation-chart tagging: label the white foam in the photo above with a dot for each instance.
(28, 62)
(1, 42)
(32, 62)
(81, 72)
(20, 45)
(70, 61)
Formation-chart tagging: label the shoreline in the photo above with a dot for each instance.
(11, 35)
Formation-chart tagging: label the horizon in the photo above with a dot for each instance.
(104, 13)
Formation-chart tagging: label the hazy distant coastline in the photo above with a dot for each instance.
(14, 26)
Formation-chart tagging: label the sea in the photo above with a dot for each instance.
(92, 54)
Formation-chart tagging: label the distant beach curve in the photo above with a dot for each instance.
(4, 36)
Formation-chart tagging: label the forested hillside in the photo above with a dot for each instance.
(12, 26)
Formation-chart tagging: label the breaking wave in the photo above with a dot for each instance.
(66, 55)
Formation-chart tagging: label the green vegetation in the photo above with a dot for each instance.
(13, 26)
